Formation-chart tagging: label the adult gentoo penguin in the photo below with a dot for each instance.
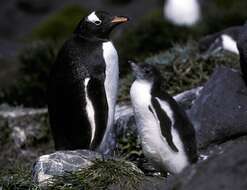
(83, 84)
(242, 47)
(167, 136)
(182, 12)
(226, 40)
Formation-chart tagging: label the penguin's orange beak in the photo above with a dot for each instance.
(121, 19)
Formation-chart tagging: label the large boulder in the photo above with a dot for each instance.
(226, 169)
(58, 163)
(220, 112)
(26, 126)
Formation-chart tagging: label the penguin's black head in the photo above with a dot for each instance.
(145, 72)
(99, 24)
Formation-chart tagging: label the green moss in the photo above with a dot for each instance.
(187, 72)
(30, 89)
(60, 24)
(182, 68)
(128, 146)
(17, 178)
(101, 175)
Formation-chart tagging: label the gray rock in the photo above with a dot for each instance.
(221, 110)
(58, 163)
(61, 162)
(148, 183)
(25, 126)
(225, 170)
(25, 134)
(187, 98)
(124, 121)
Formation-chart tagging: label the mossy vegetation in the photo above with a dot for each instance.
(101, 175)
(30, 88)
(182, 68)
(17, 178)
(60, 25)
(128, 146)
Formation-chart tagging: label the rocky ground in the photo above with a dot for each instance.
(218, 111)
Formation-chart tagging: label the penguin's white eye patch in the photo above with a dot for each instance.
(97, 23)
(94, 19)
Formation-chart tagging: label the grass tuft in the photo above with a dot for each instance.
(100, 175)
(59, 25)
(17, 178)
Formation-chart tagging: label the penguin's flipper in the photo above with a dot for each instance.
(165, 123)
(69, 123)
(97, 95)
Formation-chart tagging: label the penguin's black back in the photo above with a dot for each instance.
(78, 59)
(181, 123)
(208, 40)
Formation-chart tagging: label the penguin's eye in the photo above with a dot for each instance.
(147, 71)
(97, 22)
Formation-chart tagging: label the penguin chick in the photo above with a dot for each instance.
(226, 40)
(83, 85)
(182, 12)
(167, 136)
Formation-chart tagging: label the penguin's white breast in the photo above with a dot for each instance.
(140, 93)
(182, 12)
(147, 124)
(229, 44)
(177, 161)
(111, 81)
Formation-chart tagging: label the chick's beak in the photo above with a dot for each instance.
(119, 19)
(135, 69)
